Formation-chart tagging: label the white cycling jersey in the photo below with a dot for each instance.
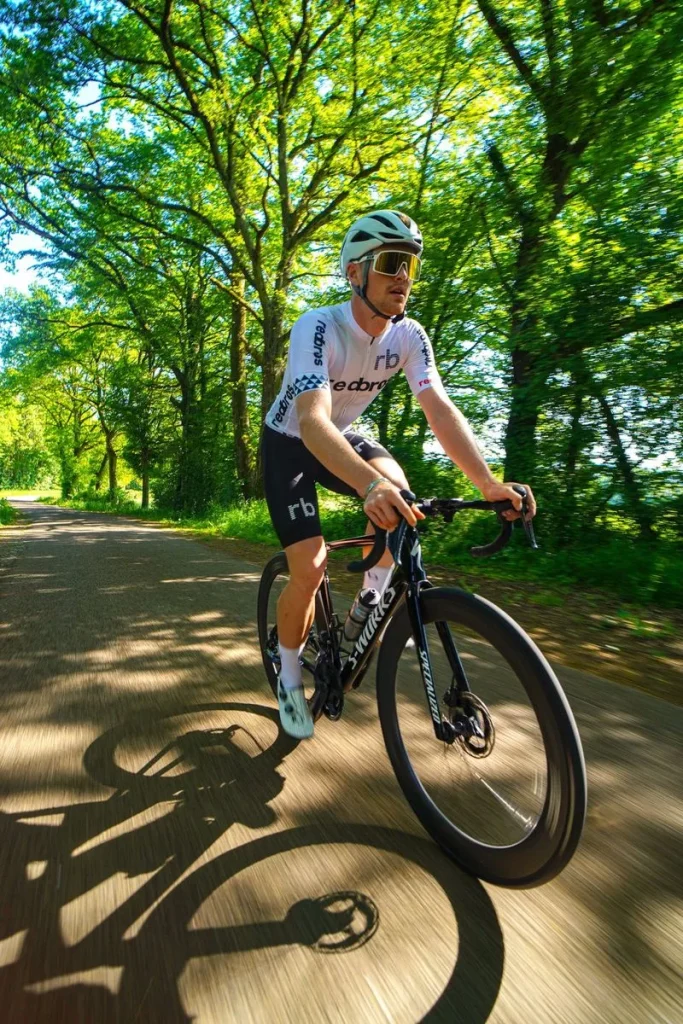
(328, 349)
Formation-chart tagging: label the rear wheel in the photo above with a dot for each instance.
(273, 581)
(506, 798)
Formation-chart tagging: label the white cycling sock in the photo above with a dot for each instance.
(290, 667)
(377, 577)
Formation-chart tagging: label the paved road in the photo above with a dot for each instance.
(165, 855)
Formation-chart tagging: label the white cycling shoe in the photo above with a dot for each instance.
(294, 714)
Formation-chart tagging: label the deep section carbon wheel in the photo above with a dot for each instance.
(506, 796)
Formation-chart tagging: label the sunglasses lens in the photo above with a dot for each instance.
(390, 262)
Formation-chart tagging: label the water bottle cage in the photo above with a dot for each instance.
(360, 610)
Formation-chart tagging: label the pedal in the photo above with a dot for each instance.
(334, 705)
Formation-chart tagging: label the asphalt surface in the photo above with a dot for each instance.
(167, 855)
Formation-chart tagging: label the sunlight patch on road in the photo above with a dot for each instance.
(54, 820)
(104, 977)
(659, 925)
(234, 577)
(86, 912)
(28, 752)
(405, 965)
(11, 948)
(34, 869)
(135, 821)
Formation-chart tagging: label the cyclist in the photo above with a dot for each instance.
(340, 358)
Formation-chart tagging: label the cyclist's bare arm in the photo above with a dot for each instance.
(455, 436)
(329, 446)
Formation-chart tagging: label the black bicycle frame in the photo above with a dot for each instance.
(408, 580)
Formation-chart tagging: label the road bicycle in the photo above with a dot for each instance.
(480, 735)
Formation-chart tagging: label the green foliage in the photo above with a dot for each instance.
(7, 513)
(25, 458)
(191, 168)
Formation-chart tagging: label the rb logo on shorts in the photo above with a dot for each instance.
(307, 506)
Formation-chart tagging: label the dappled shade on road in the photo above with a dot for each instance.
(166, 853)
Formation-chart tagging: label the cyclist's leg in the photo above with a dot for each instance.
(293, 506)
(295, 612)
(377, 456)
(306, 560)
(388, 467)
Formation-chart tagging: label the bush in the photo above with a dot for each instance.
(91, 501)
(7, 513)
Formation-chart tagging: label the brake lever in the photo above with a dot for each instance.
(529, 530)
(526, 523)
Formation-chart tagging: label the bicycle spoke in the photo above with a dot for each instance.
(527, 821)
(494, 793)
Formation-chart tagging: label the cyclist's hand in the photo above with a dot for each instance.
(504, 492)
(383, 505)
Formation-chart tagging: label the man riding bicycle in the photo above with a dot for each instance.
(340, 357)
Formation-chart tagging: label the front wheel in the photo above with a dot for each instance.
(506, 799)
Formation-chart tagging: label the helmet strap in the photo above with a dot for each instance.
(361, 292)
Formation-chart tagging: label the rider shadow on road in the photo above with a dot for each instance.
(100, 897)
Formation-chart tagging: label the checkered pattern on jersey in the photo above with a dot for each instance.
(310, 382)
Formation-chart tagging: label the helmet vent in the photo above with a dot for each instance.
(383, 220)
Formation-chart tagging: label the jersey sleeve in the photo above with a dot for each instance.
(308, 353)
(419, 367)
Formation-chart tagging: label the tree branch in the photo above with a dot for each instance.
(504, 36)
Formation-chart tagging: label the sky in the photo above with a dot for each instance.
(23, 275)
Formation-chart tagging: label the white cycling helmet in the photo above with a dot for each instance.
(376, 229)
(370, 232)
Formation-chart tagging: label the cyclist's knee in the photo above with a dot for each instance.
(307, 560)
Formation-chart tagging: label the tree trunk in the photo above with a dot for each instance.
(422, 436)
(99, 475)
(406, 412)
(634, 498)
(573, 447)
(520, 432)
(112, 459)
(526, 381)
(191, 496)
(571, 524)
(68, 475)
(273, 356)
(244, 455)
(145, 480)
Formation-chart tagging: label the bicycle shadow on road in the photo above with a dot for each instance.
(104, 902)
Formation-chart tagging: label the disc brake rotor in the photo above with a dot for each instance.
(479, 735)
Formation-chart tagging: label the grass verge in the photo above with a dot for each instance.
(8, 514)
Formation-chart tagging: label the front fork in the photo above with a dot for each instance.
(406, 540)
(443, 729)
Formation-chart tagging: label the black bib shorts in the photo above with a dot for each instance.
(291, 472)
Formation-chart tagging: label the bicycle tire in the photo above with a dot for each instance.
(549, 846)
(277, 566)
